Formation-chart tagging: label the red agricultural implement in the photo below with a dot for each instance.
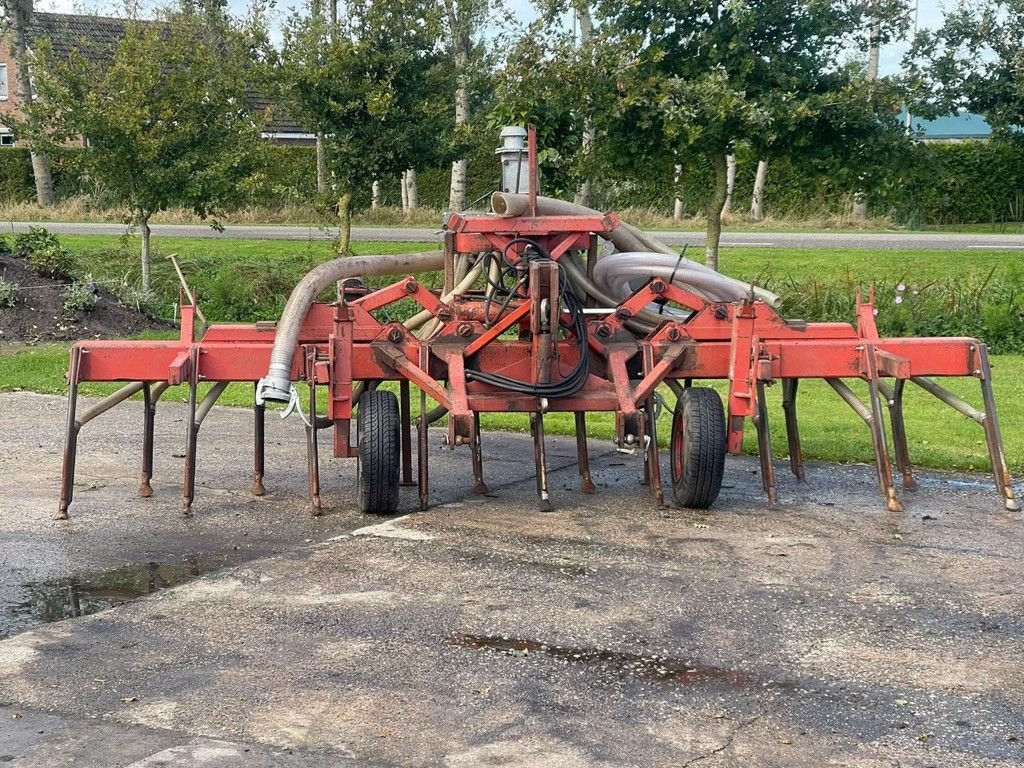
(532, 318)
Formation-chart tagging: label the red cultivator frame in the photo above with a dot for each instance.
(535, 347)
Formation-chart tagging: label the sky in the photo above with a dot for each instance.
(929, 15)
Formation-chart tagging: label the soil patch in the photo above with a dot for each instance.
(38, 314)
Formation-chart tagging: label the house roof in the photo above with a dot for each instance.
(97, 37)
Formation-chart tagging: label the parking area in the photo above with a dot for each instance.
(823, 631)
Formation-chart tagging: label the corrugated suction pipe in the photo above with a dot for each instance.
(277, 384)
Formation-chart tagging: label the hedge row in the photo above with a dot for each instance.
(948, 183)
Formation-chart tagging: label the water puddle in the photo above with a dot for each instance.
(28, 605)
(647, 667)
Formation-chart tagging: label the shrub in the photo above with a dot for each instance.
(81, 297)
(8, 293)
(36, 239)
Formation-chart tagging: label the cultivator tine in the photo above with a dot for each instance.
(312, 443)
(796, 458)
(188, 488)
(405, 402)
(479, 486)
(421, 446)
(894, 396)
(582, 455)
(150, 396)
(259, 412)
(764, 446)
(651, 457)
(873, 418)
(67, 473)
(1000, 470)
(537, 429)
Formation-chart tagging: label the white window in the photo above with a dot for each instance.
(3, 82)
(6, 139)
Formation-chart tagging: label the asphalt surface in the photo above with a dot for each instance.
(869, 240)
(824, 631)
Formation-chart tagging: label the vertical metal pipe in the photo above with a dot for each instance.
(479, 486)
(312, 444)
(764, 446)
(537, 429)
(582, 454)
(259, 443)
(422, 435)
(796, 459)
(148, 419)
(877, 426)
(899, 431)
(67, 472)
(653, 459)
(406, 418)
(188, 490)
(1000, 470)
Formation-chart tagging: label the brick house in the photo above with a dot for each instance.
(92, 34)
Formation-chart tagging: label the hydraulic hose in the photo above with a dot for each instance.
(277, 384)
(625, 238)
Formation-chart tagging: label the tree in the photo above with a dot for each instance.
(163, 116)
(462, 19)
(372, 87)
(695, 77)
(18, 18)
(974, 62)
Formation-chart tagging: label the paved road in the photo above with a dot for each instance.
(824, 631)
(875, 241)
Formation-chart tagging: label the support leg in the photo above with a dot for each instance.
(312, 444)
(582, 454)
(877, 426)
(67, 473)
(188, 490)
(406, 419)
(1000, 470)
(796, 458)
(537, 429)
(259, 432)
(479, 486)
(764, 446)
(148, 418)
(652, 459)
(421, 453)
(899, 433)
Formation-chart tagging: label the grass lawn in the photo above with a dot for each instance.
(107, 256)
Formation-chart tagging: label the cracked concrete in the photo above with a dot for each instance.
(824, 631)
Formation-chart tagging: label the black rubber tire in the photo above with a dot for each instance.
(378, 447)
(698, 447)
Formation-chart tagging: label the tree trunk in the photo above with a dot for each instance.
(375, 195)
(715, 211)
(730, 183)
(147, 263)
(677, 211)
(457, 191)
(19, 16)
(860, 197)
(586, 22)
(343, 245)
(403, 183)
(757, 200)
(321, 165)
(411, 189)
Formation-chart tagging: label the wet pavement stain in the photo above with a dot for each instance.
(651, 667)
(35, 603)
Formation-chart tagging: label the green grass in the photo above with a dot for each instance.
(938, 436)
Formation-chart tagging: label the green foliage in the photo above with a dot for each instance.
(16, 182)
(44, 253)
(80, 296)
(8, 293)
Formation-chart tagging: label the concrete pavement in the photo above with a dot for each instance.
(870, 240)
(825, 631)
